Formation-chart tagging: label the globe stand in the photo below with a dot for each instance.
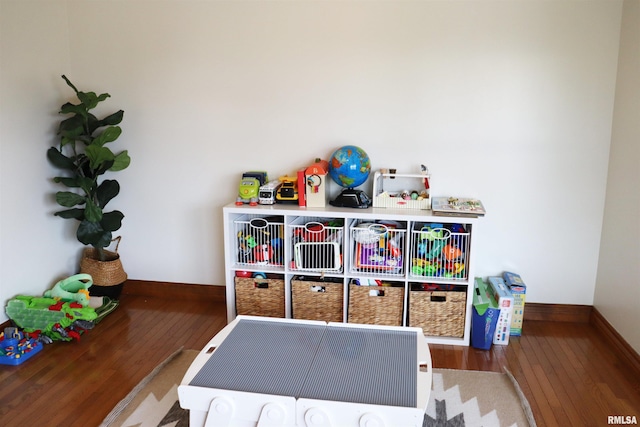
(352, 198)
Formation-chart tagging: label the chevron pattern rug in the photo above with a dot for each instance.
(458, 399)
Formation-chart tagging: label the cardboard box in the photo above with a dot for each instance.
(485, 316)
(501, 293)
(519, 291)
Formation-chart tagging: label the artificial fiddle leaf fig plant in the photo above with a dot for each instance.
(84, 156)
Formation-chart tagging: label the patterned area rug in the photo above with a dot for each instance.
(458, 398)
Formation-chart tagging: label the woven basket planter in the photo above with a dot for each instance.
(108, 275)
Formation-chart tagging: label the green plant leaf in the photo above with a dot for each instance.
(71, 129)
(70, 108)
(71, 214)
(90, 99)
(122, 161)
(98, 155)
(59, 160)
(104, 167)
(112, 119)
(112, 221)
(110, 134)
(69, 83)
(92, 123)
(86, 184)
(107, 191)
(92, 233)
(75, 182)
(69, 199)
(92, 212)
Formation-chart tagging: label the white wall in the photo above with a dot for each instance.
(510, 102)
(35, 248)
(617, 292)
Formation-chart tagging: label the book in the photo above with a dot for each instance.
(457, 206)
(302, 188)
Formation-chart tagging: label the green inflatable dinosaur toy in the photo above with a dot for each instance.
(72, 289)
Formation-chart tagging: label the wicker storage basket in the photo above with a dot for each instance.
(438, 313)
(103, 273)
(260, 297)
(385, 308)
(317, 300)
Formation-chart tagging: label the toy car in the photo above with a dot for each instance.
(267, 193)
(261, 176)
(248, 191)
(288, 192)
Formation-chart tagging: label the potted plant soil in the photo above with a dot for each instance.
(84, 157)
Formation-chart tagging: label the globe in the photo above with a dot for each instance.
(349, 166)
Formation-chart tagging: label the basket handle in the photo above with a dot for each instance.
(259, 223)
(433, 233)
(117, 243)
(378, 229)
(438, 297)
(310, 224)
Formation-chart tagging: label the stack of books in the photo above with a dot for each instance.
(457, 206)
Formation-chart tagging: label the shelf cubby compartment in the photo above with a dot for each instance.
(376, 305)
(439, 251)
(438, 309)
(260, 296)
(316, 244)
(378, 248)
(259, 242)
(315, 298)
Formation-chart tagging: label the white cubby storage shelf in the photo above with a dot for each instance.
(380, 247)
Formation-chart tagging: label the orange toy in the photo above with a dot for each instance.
(451, 252)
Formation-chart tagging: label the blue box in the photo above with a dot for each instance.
(485, 316)
(519, 291)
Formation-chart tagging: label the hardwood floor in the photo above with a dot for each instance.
(566, 370)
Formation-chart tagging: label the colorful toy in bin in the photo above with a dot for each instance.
(438, 250)
(260, 242)
(433, 238)
(452, 252)
(422, 267)
(17, 347)
(378, 246)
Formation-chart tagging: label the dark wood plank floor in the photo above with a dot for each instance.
(566, 370)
